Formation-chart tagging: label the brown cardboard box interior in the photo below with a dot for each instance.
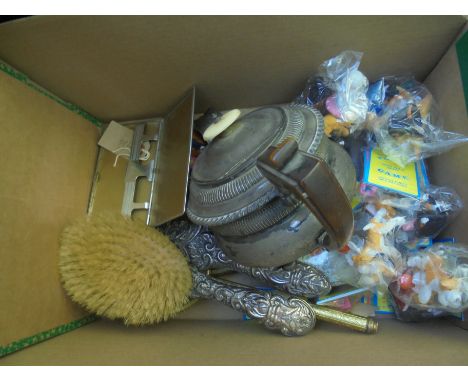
(137, 67)
(47, 166)
(245, 343)
(450, 168)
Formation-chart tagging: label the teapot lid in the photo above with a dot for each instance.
(239, 145)
(226, 183)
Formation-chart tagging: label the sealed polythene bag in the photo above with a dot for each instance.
(406, 122)
(388, 225)
(423, 217)
(370, 259)
(339, 91)
(435, 278)
(335, 265)
(372, 248)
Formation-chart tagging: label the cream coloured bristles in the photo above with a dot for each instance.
(122, 269)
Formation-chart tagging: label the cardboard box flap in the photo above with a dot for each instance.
(447, 83)
(48, 159)
(248, 343)
(132, 67)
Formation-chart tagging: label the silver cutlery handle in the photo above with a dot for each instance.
(200, 247)
(296, 278)
(291, 316)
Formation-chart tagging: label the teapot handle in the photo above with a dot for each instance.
(315, 185)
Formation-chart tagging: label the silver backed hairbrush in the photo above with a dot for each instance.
(122, 269)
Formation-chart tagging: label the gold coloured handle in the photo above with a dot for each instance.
(352, 321)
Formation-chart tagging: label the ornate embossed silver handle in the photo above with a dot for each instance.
(292, 316)
(200, 247)
(296, 278)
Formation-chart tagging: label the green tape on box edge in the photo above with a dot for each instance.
(462, 53)
(62, 329)
(43, 336)
(4, 67)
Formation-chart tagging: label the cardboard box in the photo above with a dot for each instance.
(98, 69)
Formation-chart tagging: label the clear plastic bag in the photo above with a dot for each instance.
(350, 87)
(372, 251)
(436, 208)
(406, 122)
(434, 278)
(387, 226)
(315, 94)
(335, 265)
(409, 314)
(425, 217)
(369, 259)
(339, 92)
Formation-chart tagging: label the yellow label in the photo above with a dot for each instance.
(383, 302)
(382, 299)
(355, 201)
(385, 173)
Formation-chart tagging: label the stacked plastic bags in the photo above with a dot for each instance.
(393, 242)
(398, 110)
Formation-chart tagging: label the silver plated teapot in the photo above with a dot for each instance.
(273, 187)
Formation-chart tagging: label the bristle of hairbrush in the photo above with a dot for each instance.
(122, 269)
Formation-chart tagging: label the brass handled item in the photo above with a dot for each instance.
(352, 321)
(290, 315)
